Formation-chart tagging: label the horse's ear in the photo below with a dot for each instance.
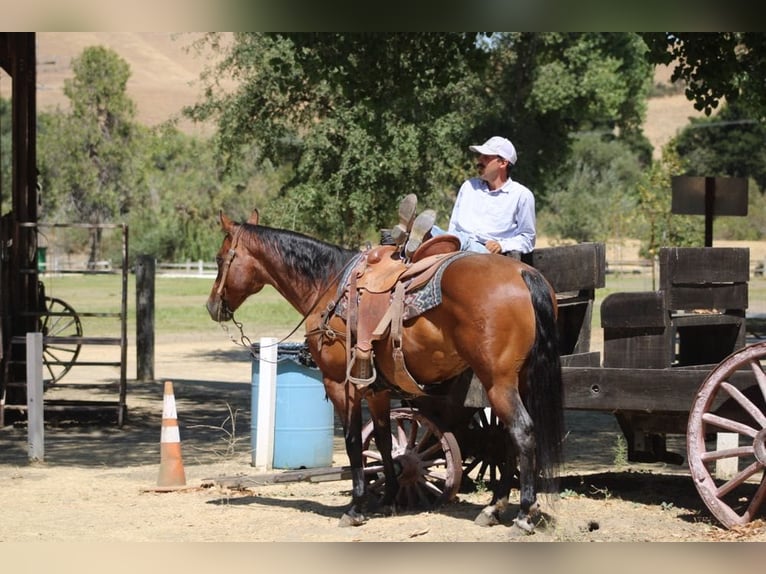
(226, 223)
(253, 219)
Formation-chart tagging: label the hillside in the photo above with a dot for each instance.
(165, 77)
(164, 73)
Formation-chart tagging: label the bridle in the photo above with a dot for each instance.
(230, 255)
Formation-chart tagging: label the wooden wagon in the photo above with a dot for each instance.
(674, 362)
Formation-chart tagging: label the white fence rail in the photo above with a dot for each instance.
(189, 269)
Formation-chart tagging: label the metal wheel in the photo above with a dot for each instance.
(60, 320)
(427, 460)
(483, 443)
(732, 402)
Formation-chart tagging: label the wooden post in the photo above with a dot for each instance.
(35, 411)
(145, 271)
(709, 210)
(726, 468)
(263, 457)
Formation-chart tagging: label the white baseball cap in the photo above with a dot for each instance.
(496, 146)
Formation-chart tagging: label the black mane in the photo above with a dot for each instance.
(318, 261)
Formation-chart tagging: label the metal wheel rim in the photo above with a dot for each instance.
(427, 459)
(737, 500)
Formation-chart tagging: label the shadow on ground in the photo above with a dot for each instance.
(213, 417)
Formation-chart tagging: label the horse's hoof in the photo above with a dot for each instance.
(524, 524)
(486, 519)
(351, 520)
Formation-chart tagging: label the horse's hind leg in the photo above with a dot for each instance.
(518, 424)
(522, 434)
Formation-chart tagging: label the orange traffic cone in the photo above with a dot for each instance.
(172, 473)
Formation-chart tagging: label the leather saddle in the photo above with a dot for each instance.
(375, 291)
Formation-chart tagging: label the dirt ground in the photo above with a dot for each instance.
(95, 483)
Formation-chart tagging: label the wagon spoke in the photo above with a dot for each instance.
(758, 498)
(727, 453)
(729, 424)
(429, 460)
(372, 454)
(434, 448)
(739, 479)
(471, 465)
(734, 500)
(745, 403)
(432, 489)
(760, 376)
(373, 469)
(401, 434)
(421, 444)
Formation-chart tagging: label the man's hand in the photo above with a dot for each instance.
(492, 246)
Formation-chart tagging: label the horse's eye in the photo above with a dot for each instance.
(218, 260)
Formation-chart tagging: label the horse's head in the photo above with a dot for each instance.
(237, 277)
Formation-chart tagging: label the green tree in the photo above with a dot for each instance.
(88, 159)
(657, 226)
(185, 192)
(595, 196)
(729, 144)
(552, 86)
(715, 66)
(361, 120)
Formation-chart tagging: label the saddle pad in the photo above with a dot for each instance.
(416, 302)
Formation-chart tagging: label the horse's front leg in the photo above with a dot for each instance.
(380, 411)
(350, 408)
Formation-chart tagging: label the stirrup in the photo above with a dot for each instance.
(407, 209)
(359, 381)
(422, 225)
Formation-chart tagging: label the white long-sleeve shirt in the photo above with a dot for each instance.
(506, 215)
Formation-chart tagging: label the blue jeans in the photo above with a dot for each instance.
(467, 243)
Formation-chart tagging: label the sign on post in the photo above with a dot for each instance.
(708, 196)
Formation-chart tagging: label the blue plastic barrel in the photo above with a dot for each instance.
(304, 418)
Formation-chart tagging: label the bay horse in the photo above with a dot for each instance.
(497, 317)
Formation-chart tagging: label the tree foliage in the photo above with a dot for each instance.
(595, 197)
(550, 87)
(363, 119)
(729, 144)
(657, 226)
(715, 66)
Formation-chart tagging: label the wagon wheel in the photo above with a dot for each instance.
(427, 461)
(60, 320)
(720, 407)
(483, 443)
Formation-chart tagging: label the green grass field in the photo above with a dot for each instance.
(180, 302)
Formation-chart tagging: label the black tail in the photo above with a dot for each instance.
(545, 400)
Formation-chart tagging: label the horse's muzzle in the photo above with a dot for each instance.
(218, 309)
